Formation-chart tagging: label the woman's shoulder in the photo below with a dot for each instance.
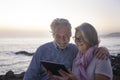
(98, 60)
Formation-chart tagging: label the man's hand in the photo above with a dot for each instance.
(101, 53)
(49, 74)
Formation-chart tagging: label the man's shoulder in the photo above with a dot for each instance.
(48, 44)
(44, 47)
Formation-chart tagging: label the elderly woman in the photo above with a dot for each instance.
(86, 66)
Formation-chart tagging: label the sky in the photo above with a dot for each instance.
(33, 17)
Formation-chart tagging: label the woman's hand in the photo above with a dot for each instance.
(65, 76)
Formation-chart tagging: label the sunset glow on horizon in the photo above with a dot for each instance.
(36, 15)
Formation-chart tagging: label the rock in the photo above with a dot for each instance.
(116, 77)
(11, 76)
(24, 52)
(20, 76)
(115, 62)
(115, 34)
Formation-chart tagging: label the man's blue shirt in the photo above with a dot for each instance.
(49, 52)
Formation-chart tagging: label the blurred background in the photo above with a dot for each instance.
(25, 25)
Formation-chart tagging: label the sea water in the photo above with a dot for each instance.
(19, 63)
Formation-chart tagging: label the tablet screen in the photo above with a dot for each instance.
(54, 67)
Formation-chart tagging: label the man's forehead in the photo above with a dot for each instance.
(61, 30)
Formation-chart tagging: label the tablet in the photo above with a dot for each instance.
(54, 67)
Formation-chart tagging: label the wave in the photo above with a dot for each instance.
(15, 63)
(17, 53)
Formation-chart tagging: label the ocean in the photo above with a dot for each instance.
(19, 63)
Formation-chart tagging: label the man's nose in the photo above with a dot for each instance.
(62, 38)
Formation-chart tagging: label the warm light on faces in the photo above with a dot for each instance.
(61, 37)
(81, 44)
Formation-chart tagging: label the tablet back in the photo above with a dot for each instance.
(53, 67)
